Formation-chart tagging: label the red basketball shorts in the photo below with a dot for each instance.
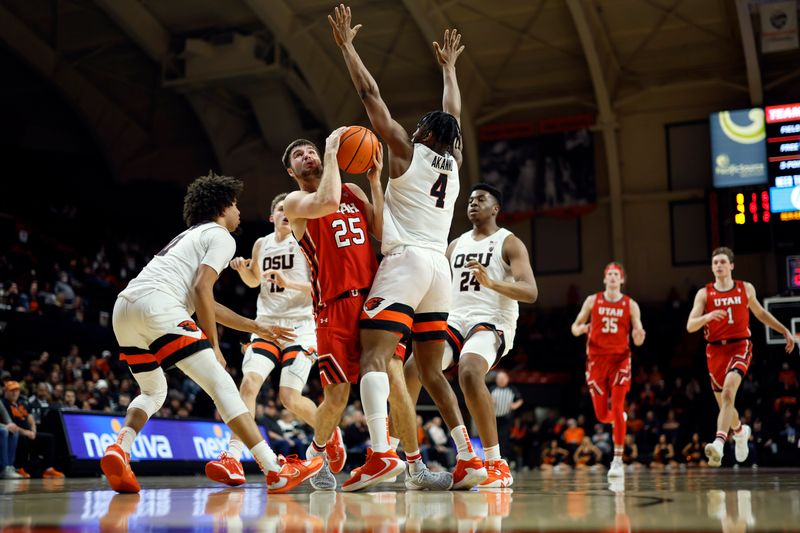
(606, 371)
(724, 358)
(338, 343)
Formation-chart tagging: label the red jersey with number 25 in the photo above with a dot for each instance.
(610, 327)
(338, 250)
(735, 305)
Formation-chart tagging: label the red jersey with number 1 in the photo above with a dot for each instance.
(610, 326)
(735, 305)
(338, 250)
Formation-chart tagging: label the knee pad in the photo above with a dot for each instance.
(204, 369)
(153, 386)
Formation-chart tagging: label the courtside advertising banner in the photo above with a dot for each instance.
(88, 436)
(738, 148)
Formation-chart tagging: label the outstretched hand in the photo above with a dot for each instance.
(342, 32)
(374, 173)
(447, 53)
(790, 341)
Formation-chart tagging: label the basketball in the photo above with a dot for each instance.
(356, 148)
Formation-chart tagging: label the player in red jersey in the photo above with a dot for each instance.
(721, 309)
(613, 318)
(331, 221)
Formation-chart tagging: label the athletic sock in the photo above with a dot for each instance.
(492, 453)
(394, 442)
(125, 438)
(374, 398)
(315, 449)
(463, 445)
(722, 436)
(235, 449)
(264, 456)
(738, 430)
(414, 460)
(618, 450)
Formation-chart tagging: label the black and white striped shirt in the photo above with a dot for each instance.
(503, 398)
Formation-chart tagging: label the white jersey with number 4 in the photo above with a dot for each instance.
(471, 301)
(286, 256)
(418, 207)
(174, 268)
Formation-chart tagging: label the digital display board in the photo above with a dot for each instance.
(783, 199)
(793, 272)
(162, 439)
(738, 151)
(752, 206)
(783, 144)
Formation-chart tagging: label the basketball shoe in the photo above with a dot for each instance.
(379, 467)
(293, 472)
(225, 469)
(469, 473)
(499, 475)
(116, 465)
(714, 452)
(337, 453)
(741, 449)
(617, 468)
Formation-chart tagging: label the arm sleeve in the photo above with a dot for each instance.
(219, 247)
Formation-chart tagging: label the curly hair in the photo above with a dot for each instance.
(208, 196)
(444, 128)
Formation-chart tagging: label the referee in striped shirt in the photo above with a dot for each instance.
(507, 399)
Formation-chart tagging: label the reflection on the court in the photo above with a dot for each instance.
(734, 509)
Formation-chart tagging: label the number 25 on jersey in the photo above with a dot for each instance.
(347, 233)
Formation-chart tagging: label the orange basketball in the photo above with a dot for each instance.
(356, 148)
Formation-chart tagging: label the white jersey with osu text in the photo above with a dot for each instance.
(418, 207)
(286, 256)
(470, 300)
(174, 268)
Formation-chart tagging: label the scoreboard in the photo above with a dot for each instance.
(783, 158)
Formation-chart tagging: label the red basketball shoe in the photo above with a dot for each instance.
(116, 465)
(226, 469)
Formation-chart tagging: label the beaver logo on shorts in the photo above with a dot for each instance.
(372, 303)
(188, 325)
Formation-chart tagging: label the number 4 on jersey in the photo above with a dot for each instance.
(439, 190)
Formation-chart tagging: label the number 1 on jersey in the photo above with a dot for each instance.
(730, 315)
(439, 190)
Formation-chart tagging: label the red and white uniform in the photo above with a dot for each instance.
(729, 347)
(342, 264)
(608, 351)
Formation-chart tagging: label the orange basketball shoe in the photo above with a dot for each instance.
(293, 472)
(379, 467)
(116, 465)
(469, 473)
(337, 453)
(52, 473)
(226, 469)
(499, 475)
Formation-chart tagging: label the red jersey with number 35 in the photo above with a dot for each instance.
(610, 327)
(338, 250)
(735, 305)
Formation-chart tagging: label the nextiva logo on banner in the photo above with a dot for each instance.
(160, 440)
(738, 150)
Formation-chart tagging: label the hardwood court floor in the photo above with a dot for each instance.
(702, 500)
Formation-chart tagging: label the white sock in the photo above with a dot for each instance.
(463, 445)
(618, 451)
(125, 438)
(315, 449)
(374, 398)
(394, 442)
(235, 449)
(492, 453)
(265, 457)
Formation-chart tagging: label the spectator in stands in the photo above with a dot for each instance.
(441, 451)
(663, 454)
(555, 457)
(69, 400)
(602, 439)
(40, 403)
(587, 456)
(572, 436)
(9, 435)
(293, 432)
(693, 452)
(671, 427)
(630, 453)
(34, 448)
